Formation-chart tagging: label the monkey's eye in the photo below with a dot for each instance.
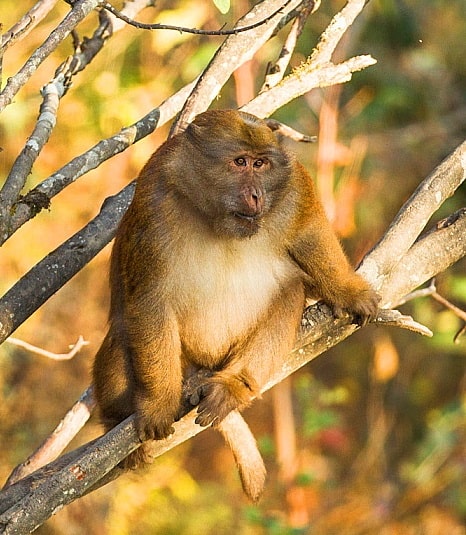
(258, 163)
(240, 161)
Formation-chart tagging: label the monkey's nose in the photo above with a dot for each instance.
(254, 201)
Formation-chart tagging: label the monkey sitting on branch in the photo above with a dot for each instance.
(223, 242)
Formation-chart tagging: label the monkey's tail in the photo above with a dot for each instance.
(251, 467)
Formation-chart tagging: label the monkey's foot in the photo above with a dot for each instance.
(192, 390)
(222, 393)
(154, 419)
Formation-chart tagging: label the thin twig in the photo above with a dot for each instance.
(27, 22)
(181, 29)
(420, 292)
(59, 439)
(431, 291)
(276, 72)
(74, 349)
(286, 131)
(79, 11)
(461, 314)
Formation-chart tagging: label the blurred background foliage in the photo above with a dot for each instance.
(370, 438)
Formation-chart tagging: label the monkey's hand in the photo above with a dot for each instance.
(224, 392)
(357, 299)
(154, 420)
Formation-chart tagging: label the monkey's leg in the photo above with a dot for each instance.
(110, 377)
(153, 392)
(155, 357)
(239, 381)
(114, 391)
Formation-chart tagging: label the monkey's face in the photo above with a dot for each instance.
(239, 171)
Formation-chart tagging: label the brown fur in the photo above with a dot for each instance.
(210, 268)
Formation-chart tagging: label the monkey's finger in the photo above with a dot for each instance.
(205, 414)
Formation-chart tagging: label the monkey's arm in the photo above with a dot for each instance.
(331, 278)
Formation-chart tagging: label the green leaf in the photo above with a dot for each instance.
(222, 5)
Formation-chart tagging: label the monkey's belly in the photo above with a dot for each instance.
(218, 308)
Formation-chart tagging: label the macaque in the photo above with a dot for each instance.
(223, 242)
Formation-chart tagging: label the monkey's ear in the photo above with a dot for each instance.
(286, 131)
(195, 132)
(273, 124)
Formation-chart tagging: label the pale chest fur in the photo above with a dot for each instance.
(222, 288)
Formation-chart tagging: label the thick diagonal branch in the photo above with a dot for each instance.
(389, 253)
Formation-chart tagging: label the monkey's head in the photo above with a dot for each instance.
(235, 170)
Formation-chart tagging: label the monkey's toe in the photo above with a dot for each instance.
(220, 396)
(205, 419)
(361, 306)
(213, 405)
(153, 428)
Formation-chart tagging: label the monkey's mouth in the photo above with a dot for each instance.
(243, 225)
(247, 217)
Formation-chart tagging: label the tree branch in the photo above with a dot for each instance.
(80, 10)
(412, 218)
(195, 31)
(235, 50)
(51, 273)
